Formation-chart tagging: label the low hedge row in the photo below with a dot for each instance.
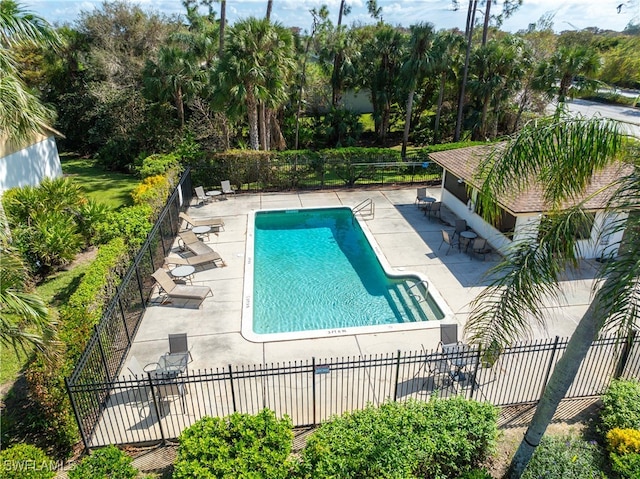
(45, 374)
(438, 439)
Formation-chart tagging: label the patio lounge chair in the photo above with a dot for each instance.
(226, 187)
(197, 260)
(170, 290)
(216, 223)
(189, 240)
(202, 198)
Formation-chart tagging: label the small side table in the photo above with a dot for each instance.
(201, 231)
(183, 272)
(214, 194)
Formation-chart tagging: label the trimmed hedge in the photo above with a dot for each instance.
(24, 461)
(240, 445)
(77, 318)
(621, 406)
(438, 439)
(109, 462)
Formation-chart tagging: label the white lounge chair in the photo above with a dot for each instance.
(216, 223)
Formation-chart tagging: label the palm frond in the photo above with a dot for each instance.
(526, 280)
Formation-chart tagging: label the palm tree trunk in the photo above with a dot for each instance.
(180, 106)
(223, 20)
(407, 124)
(559, 382)
(485, 27)
(436, 127)
(262, 126)
(252, 113)
(471, 19)
(269, 8)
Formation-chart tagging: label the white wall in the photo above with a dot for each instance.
(597, 246)
(30, 165)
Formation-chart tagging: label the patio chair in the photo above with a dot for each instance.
(167, 390)
(170, 290)
(226, 187)
(197, 260)
(215, 223)
(433, 209)
(202, 198)
(480, 248)
(421, 194)
(460, 225)
(187, 237)
(446, 238)
(178, 343)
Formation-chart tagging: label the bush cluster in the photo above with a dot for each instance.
(83, 310)
(107, 462)
(51, 222)
(620, 424)
(24, 461)
(434, 440)
(157, 165)
(240, 445)
(564, 457)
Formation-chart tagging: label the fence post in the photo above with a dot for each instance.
(474, 383)
(233, 392)
(140, 288)
(74, 406)
(550, 368)
(395, 390)
(155, 406)
(313, 387)
(624, 356)
(124, 316)
(102, 356)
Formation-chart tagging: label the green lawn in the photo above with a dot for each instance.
(54, 291)
(108, 187)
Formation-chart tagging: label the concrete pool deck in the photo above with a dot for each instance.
(409, 241)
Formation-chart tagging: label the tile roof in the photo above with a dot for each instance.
(463, 163)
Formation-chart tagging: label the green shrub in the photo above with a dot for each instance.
(133, 224)
(24, 461)
(90, 214)
(565, 457)
(54, 239)
(627, 465)
(240, 445)
(476, 474)
(621, 406)
(157, 165)
(83, 310)
(441, 438)
(109, 462)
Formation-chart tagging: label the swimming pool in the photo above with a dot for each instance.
(315, 272)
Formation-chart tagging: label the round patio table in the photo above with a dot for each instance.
(200, 231)
(183, 272)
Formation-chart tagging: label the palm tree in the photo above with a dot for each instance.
(561, 155)
(257, 62)
(24, 318)
(417, 65)
(447, 48)
(23, 114)
(566, 63)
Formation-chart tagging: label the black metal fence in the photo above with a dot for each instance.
(130, 410)
(278, 173)
(109, 345)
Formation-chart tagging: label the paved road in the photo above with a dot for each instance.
(628, 115)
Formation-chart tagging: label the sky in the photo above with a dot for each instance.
(567, 14)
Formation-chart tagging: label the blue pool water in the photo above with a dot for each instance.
(315, 269)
